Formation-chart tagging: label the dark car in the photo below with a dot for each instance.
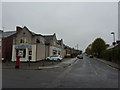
(80, 56)
(91, 56)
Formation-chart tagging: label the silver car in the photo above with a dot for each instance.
(80, 56)
(55, 58)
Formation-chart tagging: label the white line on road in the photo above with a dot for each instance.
(56, 82)
(93, 68)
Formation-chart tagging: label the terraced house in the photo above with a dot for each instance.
(6, 45)
(54, 46)
(35, 47)
(0, 45)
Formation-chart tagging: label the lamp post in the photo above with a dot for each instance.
(113, 38)
(113, 44)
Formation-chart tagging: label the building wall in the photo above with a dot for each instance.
(37, 49)
(47, 51)
(119, 20)
(13, 53)
(34, 53)
(7, 48)
(40, 52)
(40, 38)
(27, 35)
(62, 52)
(0, 49)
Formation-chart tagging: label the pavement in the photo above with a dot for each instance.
(51, 65)
(114, 65)
(40, 65)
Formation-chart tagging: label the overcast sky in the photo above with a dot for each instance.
(76, 23)
(0, 15)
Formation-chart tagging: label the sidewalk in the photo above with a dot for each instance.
(109, 63)
(64, 64)
(40, 65)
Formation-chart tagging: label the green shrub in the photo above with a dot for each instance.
(111, 55)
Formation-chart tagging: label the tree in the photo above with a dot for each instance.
(98, 46)
(88, 50)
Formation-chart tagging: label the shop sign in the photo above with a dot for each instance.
(56, 49)
(23, 46)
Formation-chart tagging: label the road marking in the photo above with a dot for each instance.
(93, 68)
(56, 82)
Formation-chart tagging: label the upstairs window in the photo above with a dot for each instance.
(23, 40)
(37, 41)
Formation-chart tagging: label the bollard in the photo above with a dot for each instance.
(17, 62)
(29, 61)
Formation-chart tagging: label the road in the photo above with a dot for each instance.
(84, 73)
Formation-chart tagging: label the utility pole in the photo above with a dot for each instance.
(3, 28)
(77, 46)
(113, 38)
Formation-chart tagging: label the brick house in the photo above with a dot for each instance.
(7, 42)
(1, 45)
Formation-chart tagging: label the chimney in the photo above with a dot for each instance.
(18, 28)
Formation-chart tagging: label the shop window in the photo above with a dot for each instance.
(54, 52)
(21, 53)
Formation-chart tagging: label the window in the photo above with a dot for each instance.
(23, 40)
(58, 52)
(37, 41)
(21, 53)
(30, 52)
(54, 52)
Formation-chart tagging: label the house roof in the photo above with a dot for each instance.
(1, 33)
(59, 42)
(67, 47)
(118, 45)
(112, 46)
(48, 38)
(34, 34)
(8, 33)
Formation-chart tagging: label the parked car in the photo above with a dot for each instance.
(55, 58)
(80, 56)
(90, 56)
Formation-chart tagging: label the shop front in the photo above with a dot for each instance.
(24, 51)
(56, 51)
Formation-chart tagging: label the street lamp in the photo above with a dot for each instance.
(113, 38)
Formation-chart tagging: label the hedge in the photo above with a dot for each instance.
(111, 55)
